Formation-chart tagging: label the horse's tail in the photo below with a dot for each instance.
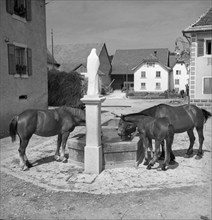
(13, 128)
(206, 114)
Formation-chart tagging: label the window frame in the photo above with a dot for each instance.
(159, 74)
(178, 72)
(203, 85)
(27, 10)
(158, 87)
(26, 64)
(178, 80)
(143, 72)
(205, 46)
(143, 87)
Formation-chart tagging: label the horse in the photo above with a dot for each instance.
(60, 121)
(150, 128)
(183, 118)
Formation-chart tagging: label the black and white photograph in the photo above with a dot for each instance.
(105, 109)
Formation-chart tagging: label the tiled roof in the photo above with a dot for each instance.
(172, 60)
(49, 59)
(125, 60)
(71, 56)
(203, 23)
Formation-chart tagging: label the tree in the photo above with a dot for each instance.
(183, 52)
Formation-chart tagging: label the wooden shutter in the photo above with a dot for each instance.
(29, 61)
(11, 59)
(28, 10)
(10, 6)
(200, 47)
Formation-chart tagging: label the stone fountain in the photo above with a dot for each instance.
(99, 146)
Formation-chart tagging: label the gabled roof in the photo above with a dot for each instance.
(172, 60)
(49, 59)
(203, 23)
(71, 56)
(125, 60)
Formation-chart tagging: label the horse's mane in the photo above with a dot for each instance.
(77, 112)
(146, 112)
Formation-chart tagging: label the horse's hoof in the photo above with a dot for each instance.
(65, 160)
(57, 158)
(145, 163)
(149, 167)
(28, 164)
(198, 157)
(171, 162)
(24, 168)
(188, 155)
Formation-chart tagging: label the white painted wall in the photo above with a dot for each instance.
(151, 78)
(183, 77)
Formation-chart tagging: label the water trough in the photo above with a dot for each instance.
(116, 153)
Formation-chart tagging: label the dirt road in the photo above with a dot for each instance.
(52, 190)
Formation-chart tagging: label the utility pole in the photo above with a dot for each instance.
(52, 48)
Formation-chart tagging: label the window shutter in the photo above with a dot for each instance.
(10, 6)
(29, 10)
(11, 59)
(200, 47)
(29, 61)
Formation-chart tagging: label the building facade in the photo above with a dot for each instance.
(180, 76)
(23, 68)
(151, 76)
(200, 80)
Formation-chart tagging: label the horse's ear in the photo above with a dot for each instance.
(116, 115)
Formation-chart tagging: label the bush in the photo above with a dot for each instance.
(65, 88)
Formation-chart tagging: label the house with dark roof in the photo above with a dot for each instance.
(51, 62)
(73, 57)
(179, 75)
(199, 34)
(142, 69)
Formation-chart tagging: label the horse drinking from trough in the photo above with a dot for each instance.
(60, 121)
(183, 118)
(150, 128)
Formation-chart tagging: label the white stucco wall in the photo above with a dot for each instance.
(183, 77)
(151, 78)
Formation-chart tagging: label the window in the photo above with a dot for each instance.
(158, 86)
(200, 47)
(19, 60)
(150, 64)
(207, 85)
(143, 74)
(177, 82)
(178, 72)
(208, 47)
(143, 85)
(157, 74)
(21, 8)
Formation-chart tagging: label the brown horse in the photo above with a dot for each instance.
(150, 128)
(184, 118)
(45, 123)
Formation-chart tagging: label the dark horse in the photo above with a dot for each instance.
(150, 128)
(183, 118)
(46, 123)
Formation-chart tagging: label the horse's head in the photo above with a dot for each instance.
(125, 129)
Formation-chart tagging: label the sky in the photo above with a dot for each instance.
(122, 24)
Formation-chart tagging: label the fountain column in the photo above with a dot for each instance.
(93, 154)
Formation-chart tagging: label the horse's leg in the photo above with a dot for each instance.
(24, 163)
(156, 153)
(201, 139)
(64, 140)
(162, 155)
(192, 139)
(57, 153)
(146, 144)
(169, 141)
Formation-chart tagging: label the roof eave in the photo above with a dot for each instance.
(198, 29)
